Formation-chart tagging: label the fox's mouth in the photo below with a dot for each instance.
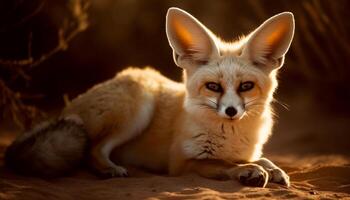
(235, 118)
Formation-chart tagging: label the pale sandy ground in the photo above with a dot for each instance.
(312, 178)
(315, 153)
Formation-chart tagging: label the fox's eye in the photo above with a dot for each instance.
(215, 87)
(245, 86)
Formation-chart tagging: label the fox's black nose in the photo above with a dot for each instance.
(231, 111)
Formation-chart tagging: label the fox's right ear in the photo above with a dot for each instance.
(191, 41)
(268, 44)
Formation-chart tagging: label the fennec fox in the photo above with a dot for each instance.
(214, 123)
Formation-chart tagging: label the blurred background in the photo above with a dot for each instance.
(54, 50)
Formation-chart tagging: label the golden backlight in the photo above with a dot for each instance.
(275, 37)
(183, 33)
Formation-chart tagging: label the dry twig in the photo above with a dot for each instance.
(11, 102)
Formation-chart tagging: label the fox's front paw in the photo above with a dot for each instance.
(113, 171)
(277, 175)
(251, 175)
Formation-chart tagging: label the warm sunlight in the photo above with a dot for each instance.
(186, 99)
(185, 36)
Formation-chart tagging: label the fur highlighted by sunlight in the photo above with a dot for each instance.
(214, 124)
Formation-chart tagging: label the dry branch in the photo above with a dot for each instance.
(78, 10)
(11, 102)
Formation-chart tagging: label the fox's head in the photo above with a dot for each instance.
(228, 81)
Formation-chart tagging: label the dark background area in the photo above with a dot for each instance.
(314, 81)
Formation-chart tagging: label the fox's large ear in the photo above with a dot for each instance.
(267, 45)
(190, 40)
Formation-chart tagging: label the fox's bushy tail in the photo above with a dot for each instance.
(49, 150)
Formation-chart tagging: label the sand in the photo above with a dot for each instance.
(324, 180)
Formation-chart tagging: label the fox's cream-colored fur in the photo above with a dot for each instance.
(144, 119)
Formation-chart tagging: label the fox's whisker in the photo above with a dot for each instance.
(284, 105)
(206, 106)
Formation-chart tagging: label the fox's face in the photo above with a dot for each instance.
(227, 89)
(228, 81)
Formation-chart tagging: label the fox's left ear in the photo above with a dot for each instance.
(267, 45)
(191, 41)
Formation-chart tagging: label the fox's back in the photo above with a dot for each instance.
(115, 102)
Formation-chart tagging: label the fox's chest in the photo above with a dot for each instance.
(225, 144)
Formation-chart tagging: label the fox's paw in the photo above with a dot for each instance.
(251, 175)
(277, 175)
(113, 171)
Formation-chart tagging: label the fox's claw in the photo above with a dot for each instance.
(249, 174)
(252, 175)
(115, 171)
(277, 175)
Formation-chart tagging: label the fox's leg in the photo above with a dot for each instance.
(248, 174)
(100, 152)
(101, 162)
(277, 175)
